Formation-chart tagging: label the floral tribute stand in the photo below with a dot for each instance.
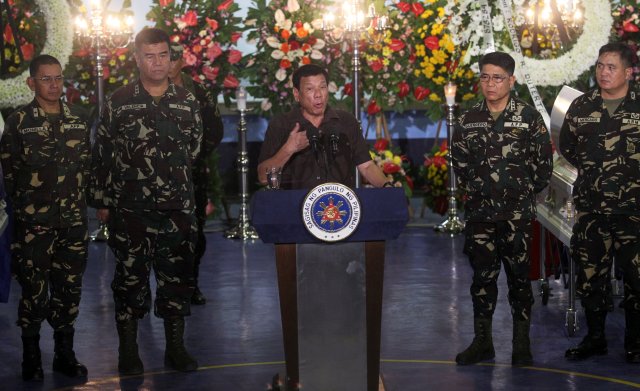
(330, 293)
(393, 164)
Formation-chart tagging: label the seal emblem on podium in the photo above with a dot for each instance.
(331, 212)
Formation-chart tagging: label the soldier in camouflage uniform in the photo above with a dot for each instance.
(601, 138)
(502, 155)
(144, 152)
(212, 135)
(45, 155)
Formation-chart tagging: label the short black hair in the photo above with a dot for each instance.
(150, 36)
(175, 51)
(624, 51)
(42, 59)
(500, 59)
(306, 71)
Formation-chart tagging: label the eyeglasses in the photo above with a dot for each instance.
(498, 79)
(49, 79)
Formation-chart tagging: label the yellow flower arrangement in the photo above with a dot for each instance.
(394, 166)
(435, 176)
(437, 58)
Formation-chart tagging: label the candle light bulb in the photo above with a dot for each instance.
(241, 98)
(450, 93)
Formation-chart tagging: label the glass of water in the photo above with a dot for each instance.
(274, 176)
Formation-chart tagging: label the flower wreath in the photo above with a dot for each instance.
(570, 65)
(14, 91)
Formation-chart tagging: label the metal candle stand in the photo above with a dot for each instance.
(103, 30)
(452, 225)
(243, 229)
(354, 26)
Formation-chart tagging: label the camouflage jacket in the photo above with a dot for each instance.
(46, 166)
(606, 152)
(501, 164)
(212, 128)
(144, 151)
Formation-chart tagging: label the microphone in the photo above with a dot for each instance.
(314, 139)
(333, 141)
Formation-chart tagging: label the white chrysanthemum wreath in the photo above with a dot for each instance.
(15, 92)
(548, 72)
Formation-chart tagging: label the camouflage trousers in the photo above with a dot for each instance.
(488, 244)
(142, 239)
(49, 264)
(201, 199)
(597, 240)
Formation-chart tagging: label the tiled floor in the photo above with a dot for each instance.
(237, 339)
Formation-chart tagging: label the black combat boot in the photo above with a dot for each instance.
(64, 358)
(129, 362)
(198, 298)
(31, 358)
(175, 355)
(482, 346)
(632, 336)
(521, 353)
(594, 343)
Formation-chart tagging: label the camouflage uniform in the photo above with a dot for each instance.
(501, 165)
(46, 167)
(606, 151)
(143, 159)
(212, 135)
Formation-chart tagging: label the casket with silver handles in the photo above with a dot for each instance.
(555, 211)
(554, 204)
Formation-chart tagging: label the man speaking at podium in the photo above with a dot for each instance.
(315, 144)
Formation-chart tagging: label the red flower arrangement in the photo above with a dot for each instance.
(388, 76)
(434, 173)
(209, 32)
(394, 166)
(626, 26)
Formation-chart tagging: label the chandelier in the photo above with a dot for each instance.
(354, 27)
(551, 26)
(102, 31)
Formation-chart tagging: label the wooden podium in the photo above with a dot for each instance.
(330, 293)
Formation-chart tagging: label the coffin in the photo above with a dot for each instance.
(555, 209)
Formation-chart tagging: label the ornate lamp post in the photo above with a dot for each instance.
(243, 229)
(102, 31)
(353, 26)
(452, 225)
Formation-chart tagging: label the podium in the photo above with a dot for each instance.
(330, 293)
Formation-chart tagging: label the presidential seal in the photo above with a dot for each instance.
(331, 212)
